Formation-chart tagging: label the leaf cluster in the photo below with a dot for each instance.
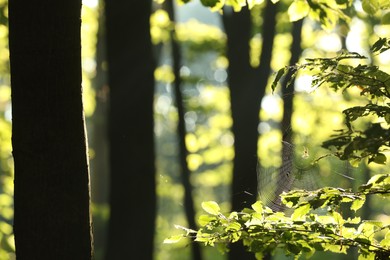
(356, 142)
(315, 224)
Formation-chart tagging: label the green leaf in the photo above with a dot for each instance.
(252, 3)
(209, 3)
(369, 256)
(211, 207)
(386, 18)
(258, 207)
(357, 204)
(341, 2)
(300, 212)
(370, 6)
(386, 241)
(298, 10)
(380, 158)
(233, 226)
(173, 239)
(203, 220)
(278, 76)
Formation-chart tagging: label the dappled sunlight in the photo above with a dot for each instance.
(203, 71)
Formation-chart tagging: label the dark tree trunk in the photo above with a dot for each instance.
(245, 107)
(132, 185)
(181, 131)
(288, 91)
(98, 137)
(98, 130)
(52, 219)
(247, 88)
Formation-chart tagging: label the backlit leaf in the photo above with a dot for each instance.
(300, 212)
(357, 204)
(298, 10)
(173, 239)
(258, 207)
(252, 3)
(211, 207)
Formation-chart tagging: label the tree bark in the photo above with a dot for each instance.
(132, 185)
(247, 88)
(52, 218)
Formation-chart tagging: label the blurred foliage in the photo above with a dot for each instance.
(7, 245)
(208, 120)
(315, 116)
(355, 143)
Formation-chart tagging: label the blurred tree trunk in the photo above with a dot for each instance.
(52, 218)
(98, 142)
(288, 91)
(132, 184)
(181, 132)
(247, 88)
(98, 131)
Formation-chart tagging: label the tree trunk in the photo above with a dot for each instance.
(98, 137)
(181, 132)
(288, 91)
(98, 130)
(52, 219)
(132, 185)
(247, 88)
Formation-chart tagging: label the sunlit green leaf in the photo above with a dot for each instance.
(386, 241)
(258, 207)
(369, 256)
(205, 219)
(357, 204)
(211, 207)
(173, 239)
(300, 212)
(233, 226)
(252, 3)
(298, 10)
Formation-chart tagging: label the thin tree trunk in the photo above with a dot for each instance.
(132, 159)
(181, 131)
(99, 135)
(52, 218)
(288, 91)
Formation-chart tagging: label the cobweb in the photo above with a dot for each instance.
(290, 175)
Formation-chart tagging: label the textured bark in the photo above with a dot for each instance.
(52, 219)
(132, 184)
(181, 132)
(247, 88)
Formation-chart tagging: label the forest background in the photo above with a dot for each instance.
(203, 106)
